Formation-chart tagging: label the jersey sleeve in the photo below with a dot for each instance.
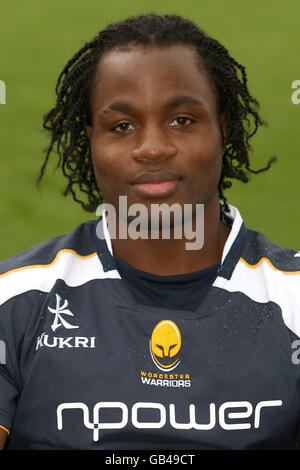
(11, 339)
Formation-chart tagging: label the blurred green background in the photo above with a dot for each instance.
(36, 40)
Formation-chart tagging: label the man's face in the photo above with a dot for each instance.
(156, 135)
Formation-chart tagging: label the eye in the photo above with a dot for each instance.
(123, 127)
(181, 121)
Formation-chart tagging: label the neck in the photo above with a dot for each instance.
(170, 256)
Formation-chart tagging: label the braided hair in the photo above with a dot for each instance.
(66, 121)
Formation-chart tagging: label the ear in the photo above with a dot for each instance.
(89, 131)
(222, 121)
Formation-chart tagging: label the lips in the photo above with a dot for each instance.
(156, 184)
(155, 177)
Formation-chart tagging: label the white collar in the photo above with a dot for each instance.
(236, 225)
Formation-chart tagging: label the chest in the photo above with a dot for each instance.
(104, 362)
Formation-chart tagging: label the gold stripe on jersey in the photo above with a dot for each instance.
(65, 250)
(254, 266)
(2, 427)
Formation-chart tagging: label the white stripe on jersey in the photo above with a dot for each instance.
(237, 223)
(264, 283)
(72, 268)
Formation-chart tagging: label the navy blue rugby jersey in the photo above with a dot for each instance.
(84, 366)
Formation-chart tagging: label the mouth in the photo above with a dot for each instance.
(156, 184)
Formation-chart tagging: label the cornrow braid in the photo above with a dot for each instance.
(66, 121)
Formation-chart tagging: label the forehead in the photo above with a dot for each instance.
(151, 71)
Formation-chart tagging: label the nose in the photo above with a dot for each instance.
(153, 145)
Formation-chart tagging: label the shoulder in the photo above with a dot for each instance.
(259, 249)
(267, 272)
(79, 241)
(72, 258)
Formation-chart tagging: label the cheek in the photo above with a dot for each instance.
(104, 168)
(207, 161)
(104, 156)
(110, 172)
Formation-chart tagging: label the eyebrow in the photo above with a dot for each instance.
(174, 102)
(123, 106)
(179, 100)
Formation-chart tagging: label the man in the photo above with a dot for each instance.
(136, 342)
